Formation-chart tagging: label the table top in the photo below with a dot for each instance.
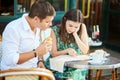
(110, 63)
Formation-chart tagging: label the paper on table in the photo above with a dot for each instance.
(57, 63)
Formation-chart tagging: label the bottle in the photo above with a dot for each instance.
(24, 10)
(94, 33)
(97, 33)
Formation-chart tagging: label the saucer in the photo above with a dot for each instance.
(105, 58)
(94, 62)
(107, 54)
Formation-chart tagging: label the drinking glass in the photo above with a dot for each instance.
(95, 33)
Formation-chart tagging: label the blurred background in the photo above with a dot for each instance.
(102, 13)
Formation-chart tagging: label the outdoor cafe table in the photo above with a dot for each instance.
(111, 63)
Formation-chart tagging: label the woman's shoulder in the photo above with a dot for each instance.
(55, 28)
(83, 25)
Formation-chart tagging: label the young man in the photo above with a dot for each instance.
(21, 45)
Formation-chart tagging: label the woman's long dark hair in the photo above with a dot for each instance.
(73, 15)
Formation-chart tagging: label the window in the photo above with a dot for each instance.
(59, 5)
(23, 5)
(6, 7)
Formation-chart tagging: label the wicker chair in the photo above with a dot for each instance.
(27, 74)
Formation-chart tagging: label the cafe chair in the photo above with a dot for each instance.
(27, 74)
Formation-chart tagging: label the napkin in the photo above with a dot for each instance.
(57, 63)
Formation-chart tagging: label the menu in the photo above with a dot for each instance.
(57, 63)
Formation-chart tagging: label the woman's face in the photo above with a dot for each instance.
(72, 26)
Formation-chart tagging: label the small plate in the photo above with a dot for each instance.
(107, 54)
(105, 59)
(94, 62)
(93, 43)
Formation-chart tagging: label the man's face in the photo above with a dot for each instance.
(45, 23)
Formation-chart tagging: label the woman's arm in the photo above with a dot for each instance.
(54, 50)
(82, 41)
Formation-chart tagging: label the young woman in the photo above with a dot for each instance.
(70, 38)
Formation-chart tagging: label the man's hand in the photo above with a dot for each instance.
(45, 47)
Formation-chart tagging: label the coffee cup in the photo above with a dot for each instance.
(97, 56)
